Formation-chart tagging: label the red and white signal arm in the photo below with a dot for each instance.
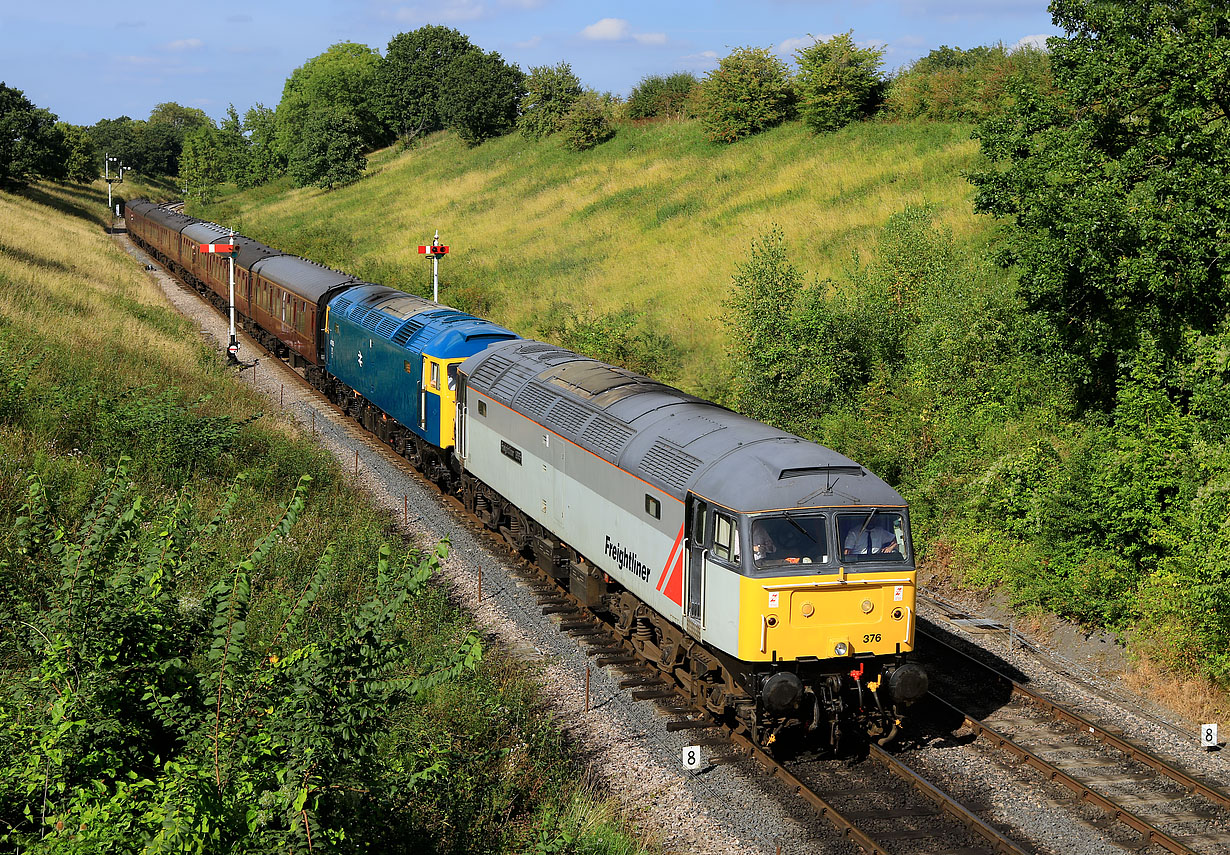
(220, 248)
(433, 250)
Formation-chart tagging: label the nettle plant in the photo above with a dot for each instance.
(137, 717)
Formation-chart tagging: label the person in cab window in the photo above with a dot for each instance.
(877, 539)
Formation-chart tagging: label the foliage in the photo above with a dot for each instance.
(183, 119)
(409, 83)
(81, 157)
(587, 123)
(265, 159)
(622, 337)
(202, 166)
(1116, 186)
(479, 96)
(657, 96)
(335, 90)
(550, 92)
(838, 82)
(954, 85)
(145, 724)
(330, 151)
(31, 147)
(748, 92)
(233, 145)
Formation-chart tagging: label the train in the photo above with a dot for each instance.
(771, 578)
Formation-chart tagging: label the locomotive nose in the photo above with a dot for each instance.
(907, 683)
(782, 691)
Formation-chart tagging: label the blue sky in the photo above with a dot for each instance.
(86, 61)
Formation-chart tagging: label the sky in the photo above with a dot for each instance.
(87, 61)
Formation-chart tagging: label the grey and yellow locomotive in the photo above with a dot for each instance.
(772, 576)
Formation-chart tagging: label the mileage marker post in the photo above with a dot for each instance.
(435, 251)
(229, 250)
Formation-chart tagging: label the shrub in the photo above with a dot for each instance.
(748, 92)
(838, 82)
(587, 123)
(480, 95)
(658, 97)
(550, 92)
(955, 85)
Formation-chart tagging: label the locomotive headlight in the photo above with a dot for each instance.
(867, 607)
(841, 648)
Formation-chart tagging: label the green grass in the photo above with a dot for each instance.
(657, 219)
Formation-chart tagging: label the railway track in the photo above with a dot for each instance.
(879, 805)
(1153, 797)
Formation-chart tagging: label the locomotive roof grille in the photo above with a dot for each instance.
(407, 329)
(607, 434)
(669, 462)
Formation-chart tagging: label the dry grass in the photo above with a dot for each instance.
(1194, 699)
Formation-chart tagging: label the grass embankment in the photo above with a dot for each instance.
(86, 760)
(656, 219)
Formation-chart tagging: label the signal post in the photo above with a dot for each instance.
(435, 251)
(230, 251)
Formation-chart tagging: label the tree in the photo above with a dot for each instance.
(81, 157)
(550, 91)
(410, 77)
(748, 92)
(202, 164)
(1116, 184)
(116, 138)
(265, 159)
(30, 145)
(656, 96)
(330, 152)
(479, 96)
(838, 82)
(343, 79)
(182, 119)
(234, 146)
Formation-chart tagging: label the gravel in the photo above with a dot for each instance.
(624, 746)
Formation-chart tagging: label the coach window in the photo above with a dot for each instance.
(725, 538)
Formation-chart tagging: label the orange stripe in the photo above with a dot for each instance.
(674, 549)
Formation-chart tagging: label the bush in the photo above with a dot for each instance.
(955, 85)
(330, 151)
(838, 82)
(148, 721)
(587, 123)
(747, 93)
(550, 92)
(660, 97)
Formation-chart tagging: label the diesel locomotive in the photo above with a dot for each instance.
(771, 577)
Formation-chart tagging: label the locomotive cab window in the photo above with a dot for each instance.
(874, 535)
(725, 538)
(452, 376)
(780, 542)
(482, 408)
(435, 376)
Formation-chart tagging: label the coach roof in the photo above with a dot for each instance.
(300, 276)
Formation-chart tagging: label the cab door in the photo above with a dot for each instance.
(694, 574)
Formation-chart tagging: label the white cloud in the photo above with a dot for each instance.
(606, 30)
(185, 45)
(650, 38)
(789, 46)
(1037, 42)
(618, 30)
(529, 43)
